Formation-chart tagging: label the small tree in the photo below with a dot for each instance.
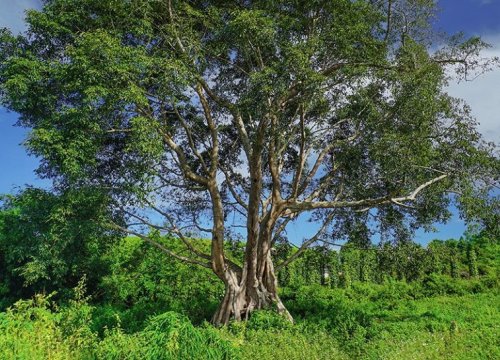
(345, 275)
(222, 117)
(364, 267)
(453, 263)
(472, 261)
(50, 242)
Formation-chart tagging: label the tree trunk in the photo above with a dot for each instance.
(240, 299)
(255, 287)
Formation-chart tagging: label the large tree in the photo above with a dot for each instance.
(238, 118)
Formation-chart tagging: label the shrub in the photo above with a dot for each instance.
(265, 320)
(144, 282)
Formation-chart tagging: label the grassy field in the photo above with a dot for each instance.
(336, 324)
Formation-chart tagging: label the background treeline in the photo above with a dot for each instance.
(465, 258)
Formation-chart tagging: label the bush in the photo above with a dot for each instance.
(38, 329)
(266, 320)
(144, 282)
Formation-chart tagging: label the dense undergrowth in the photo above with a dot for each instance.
(364, 322)
(146, 306)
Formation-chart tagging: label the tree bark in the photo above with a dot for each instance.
(240, 299)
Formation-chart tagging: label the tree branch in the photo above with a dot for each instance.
(296, 206)
(213, 131)
(231, 188)
(173, 229)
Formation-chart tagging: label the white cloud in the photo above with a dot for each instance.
(483, 94)
(12, 13)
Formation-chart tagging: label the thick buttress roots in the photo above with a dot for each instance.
(240, 299)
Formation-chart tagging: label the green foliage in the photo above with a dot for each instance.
(386, 321)
(144, 282)
(283, 344)
(265, 320)
(434, 316)
(118, 93)
(150, 101)
(166, 336)
(49, 242)
(340, 324)
(32, 330)
(472, 260)
(468, 257)
(36, 329)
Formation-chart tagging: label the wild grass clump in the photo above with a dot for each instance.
(37, 329)
(34, 329)
(165, 337)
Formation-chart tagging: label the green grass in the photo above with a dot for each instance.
(464, 327)
(376, 323)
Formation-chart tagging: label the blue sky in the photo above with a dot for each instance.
(473, 17)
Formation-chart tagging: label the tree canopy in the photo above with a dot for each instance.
(225, 119)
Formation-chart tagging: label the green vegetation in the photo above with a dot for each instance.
(49, 242)
(148, 306)
(185, 138)
(216, 119)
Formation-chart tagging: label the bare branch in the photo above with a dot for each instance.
(213, 131)
(173, 229)
(296, 206)
(302, 155)
(414, 194)
(237, 118)
(231, 188)
(177, 38)
(353, 248)
(189, 135)
(281, 228)
(182, 160)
